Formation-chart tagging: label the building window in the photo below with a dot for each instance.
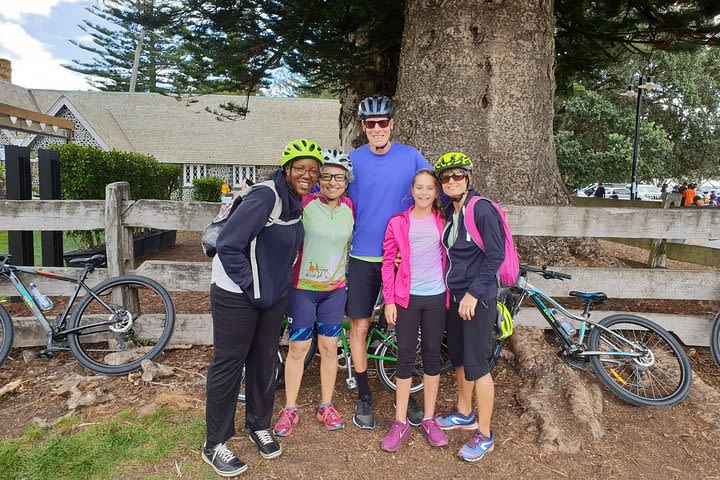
(241, 173)
(191, 172)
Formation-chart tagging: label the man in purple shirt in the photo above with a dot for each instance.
(383, 172)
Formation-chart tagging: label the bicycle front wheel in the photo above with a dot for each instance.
(715, 340)
(643, 363)
(387, 365)
(121, 322)
(6, 334)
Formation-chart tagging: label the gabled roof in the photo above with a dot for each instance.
(182, 130)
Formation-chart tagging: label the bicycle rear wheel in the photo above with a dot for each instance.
(659, 376)
(124, 321)
(387, 367)
(715, 340)
(6, 334)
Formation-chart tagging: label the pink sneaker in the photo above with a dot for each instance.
(286, 423)
(399, 432)
(328, 416)
(432, 433)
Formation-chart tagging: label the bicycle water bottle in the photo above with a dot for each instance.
(42, 300)
(565, 325)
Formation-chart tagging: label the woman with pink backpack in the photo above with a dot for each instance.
(480, 254)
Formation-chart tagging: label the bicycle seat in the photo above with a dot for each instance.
(595, 297)
(94, 261)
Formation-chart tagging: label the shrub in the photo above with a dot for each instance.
(207, 189)
(85, 171)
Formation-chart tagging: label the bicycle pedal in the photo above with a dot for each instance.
(45, 353)
(351, 383)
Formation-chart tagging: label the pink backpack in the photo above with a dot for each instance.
(510, 268)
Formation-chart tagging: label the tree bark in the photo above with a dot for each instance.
(477, 76)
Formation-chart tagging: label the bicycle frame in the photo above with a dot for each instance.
(59, 331)
(540, 298)
(374, 334)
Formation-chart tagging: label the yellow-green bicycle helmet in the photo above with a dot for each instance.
(453, 160)
(301, 148)
(503, 322)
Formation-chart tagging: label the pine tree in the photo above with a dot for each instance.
(115, 40)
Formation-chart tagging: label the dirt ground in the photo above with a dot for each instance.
(623, 442)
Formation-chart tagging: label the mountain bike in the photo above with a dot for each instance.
(638, 360)
(381, 347)
(715, 340)
(115, 326)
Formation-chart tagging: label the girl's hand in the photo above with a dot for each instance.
(466, 308)
(391, 313)
(398, 259)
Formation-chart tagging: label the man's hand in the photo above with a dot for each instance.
(466, 309)
(391, 313)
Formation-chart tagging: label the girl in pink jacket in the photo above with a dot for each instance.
(416, 299)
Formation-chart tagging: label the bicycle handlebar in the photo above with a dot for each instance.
(546, 274)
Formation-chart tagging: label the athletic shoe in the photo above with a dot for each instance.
(414, 412)
(455, 419)
(328, 416)
(399, 432)
(289, 417)
(363, 416)
(478, 446)
(267, 445)
(434, 436)
(223, 461)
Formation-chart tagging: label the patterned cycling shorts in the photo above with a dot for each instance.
(306, 308)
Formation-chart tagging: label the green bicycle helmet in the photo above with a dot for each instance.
(301, 148)
(503, 322)
(453, 160)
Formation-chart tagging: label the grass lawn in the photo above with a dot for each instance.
(121, 445)
(69, 243)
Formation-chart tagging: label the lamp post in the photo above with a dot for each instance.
(644, 84)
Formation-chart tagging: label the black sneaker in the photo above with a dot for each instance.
(223, 461)
(414, 412)
(267, 445)
(363, 416)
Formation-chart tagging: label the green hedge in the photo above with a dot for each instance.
(207, 189)
(85, 171)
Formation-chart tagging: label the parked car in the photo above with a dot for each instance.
(589, 191)
(621, 193)
(649, 193)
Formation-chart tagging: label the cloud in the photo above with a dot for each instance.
(15, 10)
(33, 66)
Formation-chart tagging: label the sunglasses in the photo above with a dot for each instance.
(370, 124)
(339, 177)
(458, 177)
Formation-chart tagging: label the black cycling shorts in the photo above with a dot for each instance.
(363, 281)
(470, 342)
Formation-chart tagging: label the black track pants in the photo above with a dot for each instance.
(242, 335)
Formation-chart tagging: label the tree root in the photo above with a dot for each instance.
(555, 397)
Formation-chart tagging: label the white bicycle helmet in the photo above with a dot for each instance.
(338, 157)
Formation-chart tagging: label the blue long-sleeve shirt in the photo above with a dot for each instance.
(381, 189)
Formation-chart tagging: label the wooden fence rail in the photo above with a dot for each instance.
(117, 215)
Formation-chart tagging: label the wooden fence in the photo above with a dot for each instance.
(118, 215)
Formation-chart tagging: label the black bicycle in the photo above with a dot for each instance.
(715, 340)
(114, 327)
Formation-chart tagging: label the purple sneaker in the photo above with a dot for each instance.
(432, 433)
(399, 432)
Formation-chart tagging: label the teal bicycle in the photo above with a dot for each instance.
(638, 360)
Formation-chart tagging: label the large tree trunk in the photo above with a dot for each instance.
(477, 77)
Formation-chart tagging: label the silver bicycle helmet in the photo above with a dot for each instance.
(376, 106)
(338, 157)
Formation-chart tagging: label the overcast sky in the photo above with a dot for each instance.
(34, 35)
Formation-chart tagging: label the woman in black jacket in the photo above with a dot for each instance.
(251, 276)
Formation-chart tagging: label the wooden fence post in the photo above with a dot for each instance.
(658, 255)
(119, 241)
